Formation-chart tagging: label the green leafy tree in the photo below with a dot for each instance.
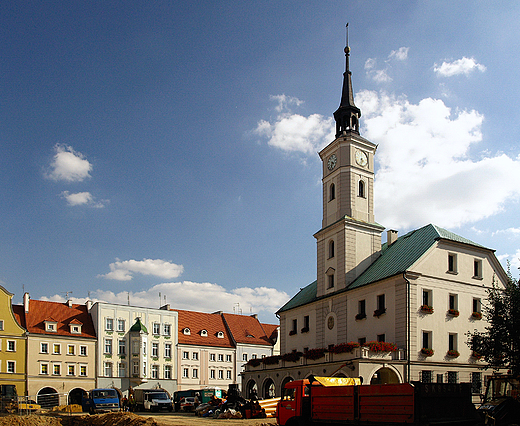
(499, 344)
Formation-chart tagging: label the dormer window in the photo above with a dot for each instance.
(220, 334)
(75, 326)
(51, 326)
(186, 331)
(204, 333)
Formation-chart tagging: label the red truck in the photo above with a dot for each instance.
(330, 400)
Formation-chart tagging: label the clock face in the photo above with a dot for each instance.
(361, 158)
(331, 163)
(330, 322)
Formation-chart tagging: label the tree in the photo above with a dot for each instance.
(499, 344)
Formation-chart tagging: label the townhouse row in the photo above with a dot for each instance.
(49, 348)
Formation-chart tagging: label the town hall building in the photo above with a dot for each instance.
(388, 313)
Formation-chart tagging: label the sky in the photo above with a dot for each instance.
(166, 152)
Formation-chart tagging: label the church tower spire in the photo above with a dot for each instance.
(347, 115)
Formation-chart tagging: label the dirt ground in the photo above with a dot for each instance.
(128, 419)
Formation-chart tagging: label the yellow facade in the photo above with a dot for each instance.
(12, 346)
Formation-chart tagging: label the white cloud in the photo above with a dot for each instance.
(379, 76)
(514, 232)
(400, 54)
(202, 297)
(294, 132)
(124, 270)
(460, 66)
(69, 165)
(82, 199)
(425, 173)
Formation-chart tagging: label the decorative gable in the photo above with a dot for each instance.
(75, 326)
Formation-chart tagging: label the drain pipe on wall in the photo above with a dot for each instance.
(408, 332)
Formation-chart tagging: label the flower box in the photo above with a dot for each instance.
(292, 356)
(361, 316)
(476, 355)
(292, 332)
(476, 315)
(427, 351)
(379, 312)
(452, 353)
(314, 354)
(426, 309)
(453, 312)
(254, 362)
(380, 346)
(271, 360)
(344, 347)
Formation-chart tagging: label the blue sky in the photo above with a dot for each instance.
(170, 148)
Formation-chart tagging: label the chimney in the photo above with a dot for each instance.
(69, 303)
(391, 237)
(88, 304)
(26, 299)
(165, 307)
(255, 316)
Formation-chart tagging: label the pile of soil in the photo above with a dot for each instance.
(109, 419)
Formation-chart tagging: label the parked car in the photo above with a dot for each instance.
(188, 403)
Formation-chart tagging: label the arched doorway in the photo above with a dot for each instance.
(285, 381)
(75, 396)
(251, 389)
(48, 398)
(269, 389)
(384, 376)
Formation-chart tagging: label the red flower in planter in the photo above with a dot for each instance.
(453, 312)
(292, 356)
(427, 351)
(344, 347)
(380, 346)
(315, 353)
(453, 353)
(427, 309)
(476, 315)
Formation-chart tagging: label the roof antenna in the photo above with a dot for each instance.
(160, 298)
(128, 297)
(347, 51)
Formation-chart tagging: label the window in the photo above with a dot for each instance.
(144, 348)
(427, 297)
(361, 189)
(167, 350)
(452, 342)
(477, 268)
(109, 324)
(1, 325)
(381, 302)
(186, 331)
(83, 370)
(204, 333)
(121, 325)
(426, 376)
(228, 358)
(330, 280)
(155, 349)
(121, 347)
(11, 367)
(156, 328)
(56, 369)
(332, 192)
(362, 341)
(220, 335)
(71, 370)
(185, 355)
(195, 356)
(167, 329)
(244, 357)
(362, 310)
(453, 377)
(427, 339)
(108, 369)
(331, 249)
(380, 337)
(306, 324)
(135, 347)
(228, 374)
(476, 382)
(220, 374)
(121, 369)
(167, 371)
(477, 306)
(71, 349)
(452, 301)
(144, 369)
(56, 349)
(253, 356)
(135, 367)
(452, 263)
(195, 373)
(440, 378)
(83, 350)
(220, 357)
(155, 371)
(108, 346)
(185, 373)
(44, 368)
(212, 357)
(294, 329)
(44, 348)
(51, 326)
(75, 329)
(211, 374)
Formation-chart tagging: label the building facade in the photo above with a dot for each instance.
(136, 346)
(387, 313)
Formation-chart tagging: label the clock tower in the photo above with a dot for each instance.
(350, 239)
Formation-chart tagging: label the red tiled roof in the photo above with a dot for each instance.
(247, 329)
(271, 330)
(41, 311)
(18, 315)
(198, 321)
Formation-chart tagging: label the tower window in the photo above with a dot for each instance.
(361, 190)
(332, 192)
(331, 249)
(330, 281)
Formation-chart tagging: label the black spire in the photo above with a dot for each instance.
(347, 115)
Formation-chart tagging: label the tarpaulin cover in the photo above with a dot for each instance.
(338, 381)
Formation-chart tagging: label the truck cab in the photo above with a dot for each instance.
(291, 402)
(501, 404)
(156, 400)
(100, 400)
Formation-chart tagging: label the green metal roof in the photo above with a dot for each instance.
(139, 326)
(394, 260)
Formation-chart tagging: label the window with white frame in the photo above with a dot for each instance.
(185, 373)
(135, 347)
(108, 346)
(453, 377)
(228, 374)
(135, 367)
(477, 268)
(44, 348)
(109, 324)
(121, 347)
(51, 326)
(427, 298)
(156, 329)
(155, 349)
(228, 358)
(452, 263)
(71, 370)
(477, 305)
(144, 369)
(144, 348)
(185, 355)
(83, 370)
(44, 368)
(195, 356)
(167, 372)
(221, 357)
(155, 371)
(220, 374)
(108, 369)
(244, 357)
(121, 369)
(452, 341)
(195, 373)
(71, 349)
(11, 366)
(56, 349)
(167, 350)
(453, 302)
(1, 325)
(211, 374)
(212, 357)
(427, 339)
(121, 326)
(83, 350)
(11, 346)
(56, 369)
(167, 328)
